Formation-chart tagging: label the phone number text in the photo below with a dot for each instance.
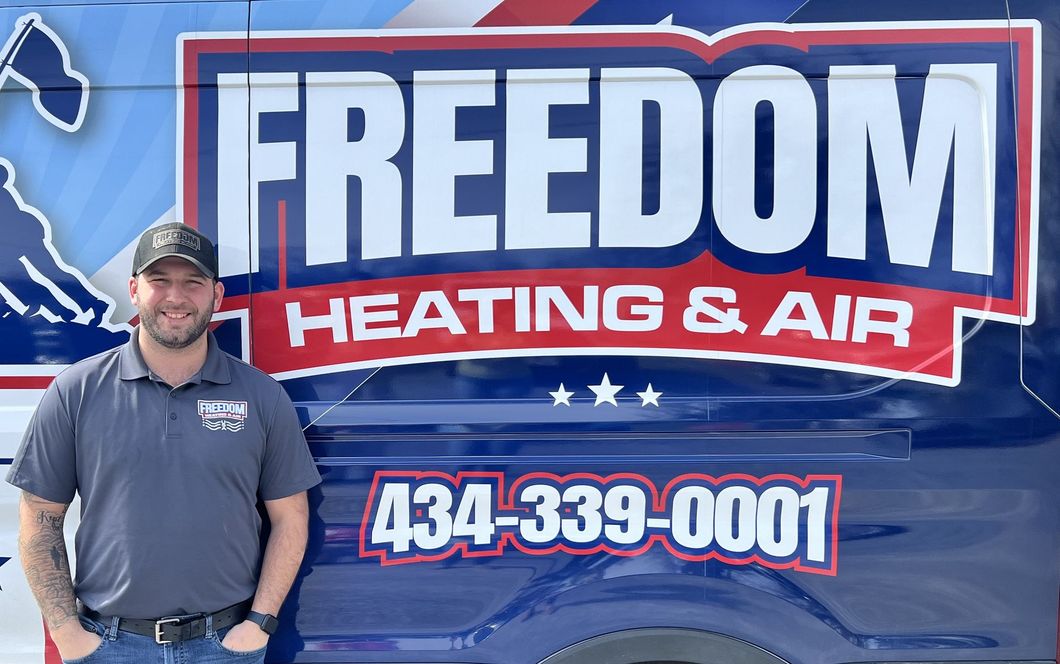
(779, 521)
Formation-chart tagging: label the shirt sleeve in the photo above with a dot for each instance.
(288, 467)
(45, 464)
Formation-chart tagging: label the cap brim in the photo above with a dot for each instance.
(194, 261)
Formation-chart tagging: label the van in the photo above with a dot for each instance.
(629, 333)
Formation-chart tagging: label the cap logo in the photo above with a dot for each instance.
(164, 238)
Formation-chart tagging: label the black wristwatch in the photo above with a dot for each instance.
(268, 623)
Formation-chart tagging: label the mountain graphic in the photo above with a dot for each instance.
(49, 312)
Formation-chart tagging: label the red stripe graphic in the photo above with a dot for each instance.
(281, 214)
(535, 12)
(25, 382)
(51, 653)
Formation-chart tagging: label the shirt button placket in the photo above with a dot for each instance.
(172, 426)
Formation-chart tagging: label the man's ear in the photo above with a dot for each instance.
(218, 294)
(133, 293)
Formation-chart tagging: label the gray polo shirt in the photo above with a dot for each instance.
(169, 478)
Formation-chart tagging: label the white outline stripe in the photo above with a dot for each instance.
(704, 38)
(635, 352)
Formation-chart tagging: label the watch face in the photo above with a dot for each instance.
(270, 624)
(267, 623)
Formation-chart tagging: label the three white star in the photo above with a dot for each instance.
(649, 396)
(605, 392)
(561, 396)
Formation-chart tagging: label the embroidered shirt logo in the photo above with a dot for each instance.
(223, 415)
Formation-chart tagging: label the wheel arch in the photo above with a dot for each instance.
(663, 644)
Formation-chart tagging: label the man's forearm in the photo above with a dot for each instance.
(283, 556)
(42, 549)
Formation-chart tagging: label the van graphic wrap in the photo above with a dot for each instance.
(614, 328)
(401, 161)
(36, 57)
(39, 290)
(426, 516)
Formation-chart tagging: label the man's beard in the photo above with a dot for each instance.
(179, 338)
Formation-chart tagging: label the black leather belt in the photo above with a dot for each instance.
(176, 628)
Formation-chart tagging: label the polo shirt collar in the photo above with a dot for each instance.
(215, 369)
(132, 366)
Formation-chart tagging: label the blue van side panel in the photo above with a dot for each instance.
(947, 528)
(533, 434)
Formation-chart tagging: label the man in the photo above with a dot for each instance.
(170, 443)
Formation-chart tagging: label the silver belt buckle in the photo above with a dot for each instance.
(158, 629)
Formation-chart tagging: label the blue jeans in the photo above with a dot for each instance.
(120, 647)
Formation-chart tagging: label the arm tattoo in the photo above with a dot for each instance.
(44, 558)
(57, 557)
(50, 519)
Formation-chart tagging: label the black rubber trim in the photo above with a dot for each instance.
(684, 646)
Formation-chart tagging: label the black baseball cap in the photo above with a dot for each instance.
(175, 239)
